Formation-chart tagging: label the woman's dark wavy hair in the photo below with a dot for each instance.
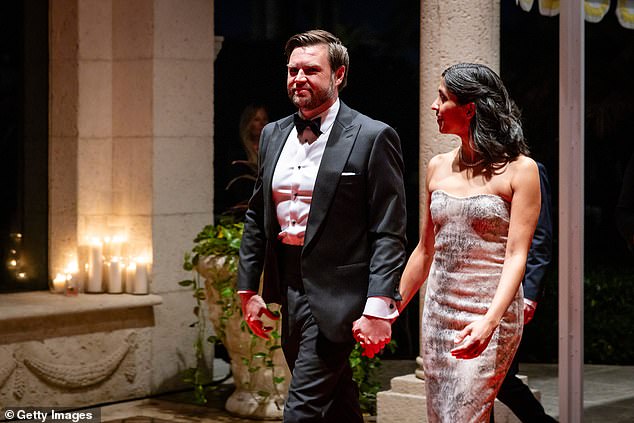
(496, 129)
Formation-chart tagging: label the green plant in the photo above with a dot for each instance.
(200, 375)
(608, 311)
(364, 374)
(222, 240)
(608, 307)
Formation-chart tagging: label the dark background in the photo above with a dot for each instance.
(530, 69)
(24, 143)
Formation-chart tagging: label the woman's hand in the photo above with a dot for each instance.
(473, 339)
(372, 333)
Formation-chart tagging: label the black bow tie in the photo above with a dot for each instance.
(302, 124)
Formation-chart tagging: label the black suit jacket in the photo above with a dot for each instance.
(540, 252)
(354, 246)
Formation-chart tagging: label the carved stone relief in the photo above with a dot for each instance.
(76, 370)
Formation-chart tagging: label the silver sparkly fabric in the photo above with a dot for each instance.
(470, 243)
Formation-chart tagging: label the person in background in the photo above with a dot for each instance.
(326, 223)
(252, 120)
(513, 392)
(482, 205)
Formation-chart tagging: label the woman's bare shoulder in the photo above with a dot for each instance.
(443, 158)
(522, 164)
(523, 168)
(441, 161)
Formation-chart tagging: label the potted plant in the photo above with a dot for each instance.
(260, 373)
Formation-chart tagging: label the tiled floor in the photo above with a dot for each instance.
(173, 408)
(608, 397)
(608, 391)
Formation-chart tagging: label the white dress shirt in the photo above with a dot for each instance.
(295, 175)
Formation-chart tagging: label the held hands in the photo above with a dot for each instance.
(253, 307)
(529, 312)
(473, 339)
(372, 333)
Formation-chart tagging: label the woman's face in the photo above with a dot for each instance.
(260, 119)
(452, 118)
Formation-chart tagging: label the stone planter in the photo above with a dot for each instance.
(260, 373)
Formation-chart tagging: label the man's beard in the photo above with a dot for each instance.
(315, 100)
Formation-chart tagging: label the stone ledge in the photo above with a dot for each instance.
(408, 384)
(406, 402)
(40, 315)
(45, 304)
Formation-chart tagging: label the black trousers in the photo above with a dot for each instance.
(321, 388)
(518, 397)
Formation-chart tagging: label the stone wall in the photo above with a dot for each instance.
(130, 146)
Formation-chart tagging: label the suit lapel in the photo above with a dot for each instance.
(336, 153)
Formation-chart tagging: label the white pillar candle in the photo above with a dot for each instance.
(141, 283)
(95, 267)
(59, 283)
(128, 275)
(115, 285)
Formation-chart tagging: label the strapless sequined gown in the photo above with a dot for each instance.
(470, 245)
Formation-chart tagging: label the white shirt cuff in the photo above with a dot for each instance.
(381, 307)
(530, 302)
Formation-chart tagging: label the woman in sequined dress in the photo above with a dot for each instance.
(483, 200)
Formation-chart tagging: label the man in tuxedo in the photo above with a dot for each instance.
(326, 224)
(513, 392)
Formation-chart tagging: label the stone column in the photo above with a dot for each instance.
(452, 31)
(181, 163)
(63, 133)
(131, 146)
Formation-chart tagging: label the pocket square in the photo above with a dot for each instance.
(348, 174)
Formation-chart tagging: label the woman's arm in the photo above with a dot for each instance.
(417, 268)
(525, 207)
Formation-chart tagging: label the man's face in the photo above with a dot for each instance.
(311, 84)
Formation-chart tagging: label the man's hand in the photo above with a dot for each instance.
(529, 312)
(373, 333)
(253, 307)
